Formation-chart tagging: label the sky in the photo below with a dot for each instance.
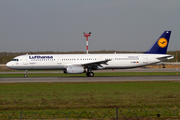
(58, 25)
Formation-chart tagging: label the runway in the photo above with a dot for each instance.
(103, 71)
(95, 78)
(91, 79)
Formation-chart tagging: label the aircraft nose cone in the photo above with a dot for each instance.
(8, 64)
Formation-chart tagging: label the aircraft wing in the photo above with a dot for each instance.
(95, 64)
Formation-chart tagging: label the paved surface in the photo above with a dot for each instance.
(116, 70)
(96, 79)
(91, 79)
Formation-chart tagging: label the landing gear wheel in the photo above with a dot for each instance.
(90, 74)
(87, 74)
(25, 75)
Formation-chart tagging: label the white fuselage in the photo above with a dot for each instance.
(62, 61)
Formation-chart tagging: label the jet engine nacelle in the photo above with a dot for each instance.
(74, 70)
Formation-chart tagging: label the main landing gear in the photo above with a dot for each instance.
(25, 75)
(90, 74)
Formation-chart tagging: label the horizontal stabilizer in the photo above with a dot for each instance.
(168, 57)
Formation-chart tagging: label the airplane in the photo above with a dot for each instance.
(86, 63)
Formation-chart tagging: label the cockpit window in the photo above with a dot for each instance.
(15, 59)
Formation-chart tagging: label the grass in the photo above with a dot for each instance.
(97, 96)
(79, 96)
(84, 75)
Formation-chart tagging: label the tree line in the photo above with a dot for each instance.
(8, 56)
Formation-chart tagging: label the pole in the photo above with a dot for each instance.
(87, 44)
(21, 115)
(87, 35)
(116, 113)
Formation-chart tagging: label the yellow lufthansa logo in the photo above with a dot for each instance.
(162, 42)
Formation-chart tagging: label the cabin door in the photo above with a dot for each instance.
(25, 60)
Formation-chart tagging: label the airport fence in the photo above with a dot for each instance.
(112, 114)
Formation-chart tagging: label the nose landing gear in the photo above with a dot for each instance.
(25, 75)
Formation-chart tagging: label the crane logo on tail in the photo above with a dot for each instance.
(162, 42)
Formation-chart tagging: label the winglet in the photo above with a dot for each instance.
(161, 44)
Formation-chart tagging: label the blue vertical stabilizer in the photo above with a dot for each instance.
(161, 45)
